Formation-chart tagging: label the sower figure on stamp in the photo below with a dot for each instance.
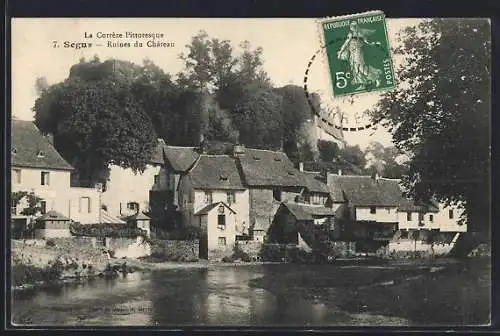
(352, 51)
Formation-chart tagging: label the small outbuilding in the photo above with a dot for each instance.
(141, 221)
(52, 225)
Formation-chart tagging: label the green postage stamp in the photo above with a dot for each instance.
(357, 52)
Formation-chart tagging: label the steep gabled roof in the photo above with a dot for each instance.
(31, 149)
(180, 158)
(216, 172)
(205, 210)
(315, 183)
(269, 168)
(308, 212)
(365, 190)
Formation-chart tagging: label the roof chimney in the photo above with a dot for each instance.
(339, 172)
(238, 150)
(301, 166)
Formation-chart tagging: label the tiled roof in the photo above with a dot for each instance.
(216, 172)
(406, 204)
(315, 183)
(138, 216)
(269, 168)
(106, 218)
(212, 206)
(53, 215)
(308, 212)
(180, 158)
(365, 190)
(31, 149)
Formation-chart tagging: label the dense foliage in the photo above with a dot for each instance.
(105, 230)
(111, 112)
(439, 114)
(33, 202)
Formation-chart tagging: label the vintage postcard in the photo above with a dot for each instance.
(215, 172)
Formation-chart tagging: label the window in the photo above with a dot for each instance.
(307, 198)
(40, 154)
(388, 210)
(450, 214)
(373, 210)
(420, 216)
(16, 176)
(44, 178)
(316, 199)
(431, 218)
(277, 194)
(84, 205)
(43, 207)
(132, 206)
(231, 197)
(208, 197)
(221, 222)
(156, 179)
(408, 216)
(404, 234)
(13, 208)
(222, 241)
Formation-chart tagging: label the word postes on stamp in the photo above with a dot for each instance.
(357, 53)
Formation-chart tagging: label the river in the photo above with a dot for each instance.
(293, 295)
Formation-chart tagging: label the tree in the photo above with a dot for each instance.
(328, 150)
(440, 113)
(33, 202)
(384, 160)
(96, 123)
(295, 112)
(258, 118)
(354, 155)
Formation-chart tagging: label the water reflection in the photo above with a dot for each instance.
(221, 295)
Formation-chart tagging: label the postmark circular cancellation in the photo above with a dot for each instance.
(356, 56)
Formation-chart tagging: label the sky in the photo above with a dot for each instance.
(288, 45)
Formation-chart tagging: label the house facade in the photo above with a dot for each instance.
(219, 221)
(213, 179)
(127, 192)
(271, 179)
(37, 167)
(369, 208)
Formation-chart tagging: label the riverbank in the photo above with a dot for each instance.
(37, 265)
(422, 294)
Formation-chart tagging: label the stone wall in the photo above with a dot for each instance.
(252, 248)
(261, 207)
(176, 250)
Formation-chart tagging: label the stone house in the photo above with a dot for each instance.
(369, 208)
(37, 167)
(214, 179)
(294, 222)
(271, 179)
(164, 196)
(218, 223)
(427, 227)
